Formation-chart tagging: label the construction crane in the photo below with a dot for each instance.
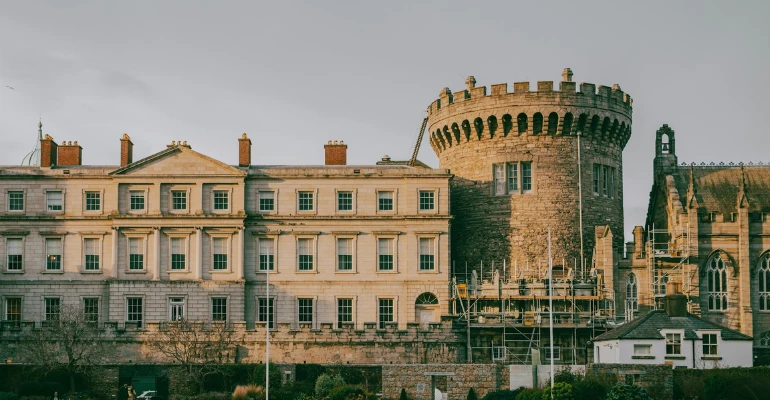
(419, 141)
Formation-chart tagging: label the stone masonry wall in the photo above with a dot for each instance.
(419, 380)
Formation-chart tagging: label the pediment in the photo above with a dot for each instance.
(178, 161)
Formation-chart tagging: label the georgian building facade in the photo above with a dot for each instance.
(181, 235)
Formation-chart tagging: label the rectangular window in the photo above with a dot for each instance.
(13, 247)
(611, 183)
(526, 177)
(265, 314)
(266, 201)
(15, 201)
(642, 349)
(177, 254)
(385, 201)
(710, 344)
(673, 344)
(221, 200)
(178, 200)
(52, 308)
(596, 179)
(344, 254)
(220, 253)
(13, 310)
(305, 201)
(513, 177)
(385, 254)
(54, 200)
(556, 353)
(53, 254)
(219, 309)
(136, 198)
(134, 310)
(427, 254)
(305, 311)
(93, 201)
(344, 311)
(499, 172)
(91, 250)
(266, 254)
(91, 309)
(176, 308)
(427, 198)
(385, 313)
(135, 254)
(344, 201)
(605, 179)
(305, 254)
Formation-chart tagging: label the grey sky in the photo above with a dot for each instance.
(294, 75)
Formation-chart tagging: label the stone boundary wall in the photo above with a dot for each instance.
(657, 379)
(418, 379)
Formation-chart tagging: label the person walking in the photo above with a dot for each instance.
(123, 392)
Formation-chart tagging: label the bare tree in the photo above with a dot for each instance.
(70, 343)
(200, 348)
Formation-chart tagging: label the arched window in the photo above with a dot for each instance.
(479, 125)
(466, 130)
(456, 132)
(507, 124)
(632, 293)
(426, 298)
(716, 278)
(521, 121)
(763, 281)
(492, 124)
(566, 126)
(537, 123)
(553, 123)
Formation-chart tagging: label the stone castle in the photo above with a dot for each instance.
(389, 263)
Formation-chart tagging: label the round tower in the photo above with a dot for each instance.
(526, 161)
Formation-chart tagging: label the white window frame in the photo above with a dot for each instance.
(680, 333)
(145, 194)
(721, 296)
(23, 255)
(632, 292)
(314, 192)
(185, 237)
(138, 236)
(44, 312)
(188, 199)
(47, 205)
(229, 191)
(228, 252)
(313, 312)
(314, 247)
(500, 179)
(353, 198)
(353, 237)
(8, 192)
(266, 237)
(394, 193)
(98, 307)
(143, 321)
(715, 345)
(436, 197)
(353, 310)
(556, 353)
(275, 201)
(85, 201)
(99, 250)
(394, 299)
(436, 255)
(259, 321)
(21, 308)
(169, 305)
(640, 346)
(228, 306)
(394, 238)
(531, 177)
(46, 237)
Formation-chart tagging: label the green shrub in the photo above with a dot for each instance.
(589, 388)
(564, 375)
(347, 392)
(472, 394)
(403, 395)
(561, 391)
(210, 396)
(276, 377)
(7, 396)
(529, 394)
(325, 383)
(503, 394)
(293, 390)
(624, 391)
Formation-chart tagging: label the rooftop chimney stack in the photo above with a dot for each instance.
(244, 151)
(675, 302)
(336, 153)
(126, 150)
(49, 151)
(70, 154)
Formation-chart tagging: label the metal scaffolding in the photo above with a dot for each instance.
(668, 259)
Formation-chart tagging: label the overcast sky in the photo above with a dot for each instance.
(296, 74)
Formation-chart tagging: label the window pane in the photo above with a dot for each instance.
(499, 172)
(266, 312)
(266, 254)
(52, 308)
(137, 200)
(53, 254)
(513, 177)
(305, 254)
(385, 312)
(344, 311)
(91, 250)
(344, 254)
(266, 201)
(136, 253)
(526, 176)
(93, 201)
(344, 201)
(219, 309)
(177, 254)
(385, 251)
(220, 253)
(221, 200)
(178, 200)
(426, 200)
(385, 201)
(596, 178)
(305, 310)
(16, 201)
(91, 309)
(13, 311)
(54, 201)
(134, 310)
(14, 250)
(427, 254)
(306, 201)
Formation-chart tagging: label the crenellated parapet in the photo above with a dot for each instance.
(495, 113)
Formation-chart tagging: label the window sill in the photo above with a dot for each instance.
(220, 271)
(267, 212)
(713, 358)
(178, 271)
(52, 272)
(643, 357)
(307, 272)
(98, 271)
(54, 213)
(675, 358)
(427, 271)
(349, 272)
(135, 271)
(262, 272)
(387, 272)
(14, 271)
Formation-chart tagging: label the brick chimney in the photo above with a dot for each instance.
(126, 150)
(70, 154)
(336, 153)
(675, 302)
(49, 150)
(244, 151)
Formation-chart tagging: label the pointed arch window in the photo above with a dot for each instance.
(632, 293)
(716, 278)
(763, 283)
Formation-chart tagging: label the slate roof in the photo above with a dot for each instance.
(649, 326)
(717, 186)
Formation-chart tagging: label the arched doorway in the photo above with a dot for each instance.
(426, 309)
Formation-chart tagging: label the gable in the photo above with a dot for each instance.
(178, 161)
